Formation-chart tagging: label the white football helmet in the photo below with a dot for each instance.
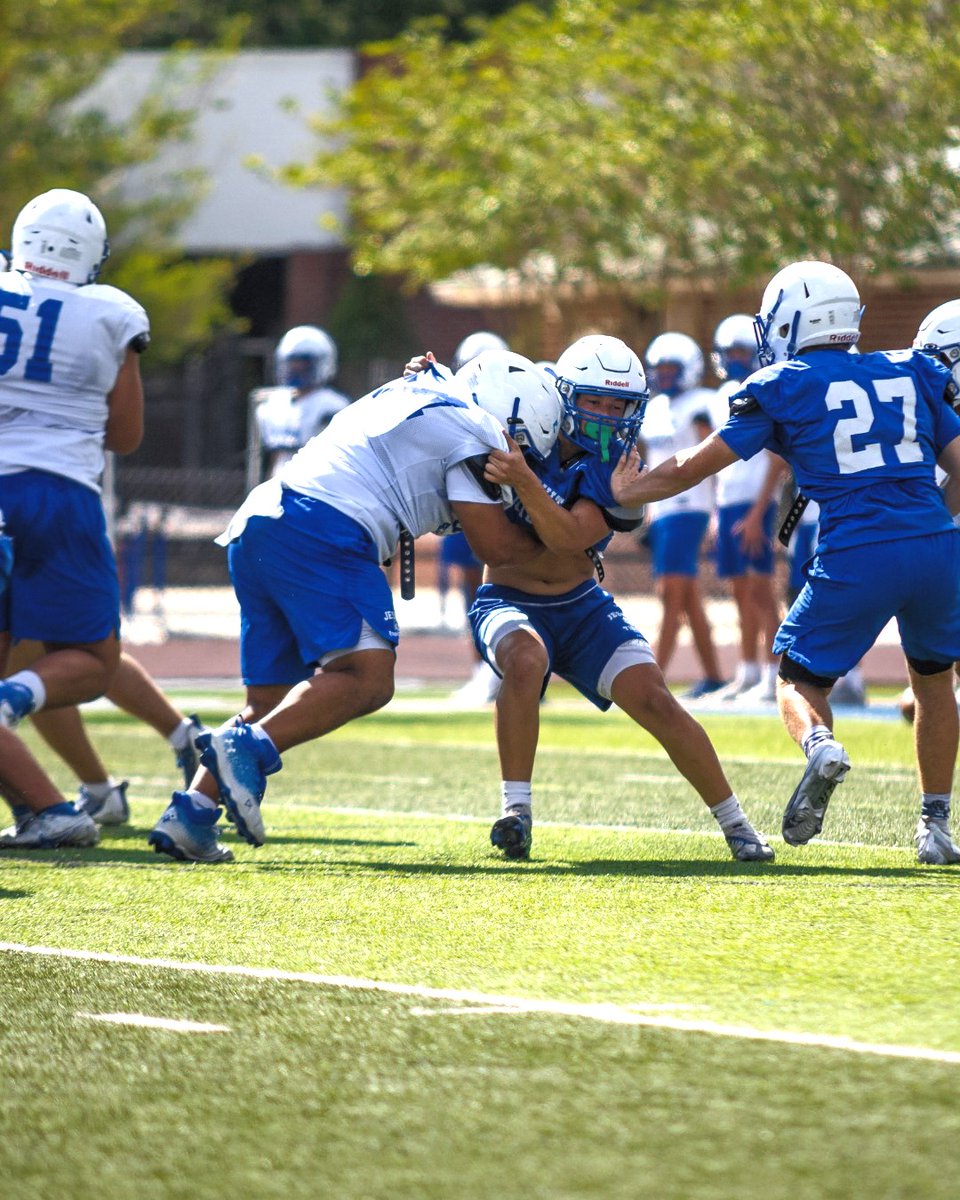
(305, 358)
(939, 334)
(519, 395)
(62, 235)
(599, 365)
(735, 333)
(681, 350)
(474, 344)
(807, 304)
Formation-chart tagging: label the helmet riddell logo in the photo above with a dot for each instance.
(43, 269)
(842, 338)
(616, 383)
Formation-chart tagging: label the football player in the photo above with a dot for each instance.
(679, 416)
(548, 615)
(318, 629)
(863, 434)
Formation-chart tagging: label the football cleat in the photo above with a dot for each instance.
(934, 843)
(803, 818)
(189, 833)
(112, 809)
(240, 762)
(704, 687)
(513, 833)
(59, 825)
(16, 702)
(747, 845)
(188, 757)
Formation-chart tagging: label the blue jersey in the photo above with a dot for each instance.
(582, 478)
(862, 433)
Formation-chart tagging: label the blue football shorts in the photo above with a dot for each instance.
(732, 560)
(802, 546)
(675, 541)
(63, 586)
(310, 588)
(587, 637)
(850, 595)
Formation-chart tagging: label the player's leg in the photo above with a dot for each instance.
(514, 640)
(136, 692)
(43, 819)
(100, 796)
(936, 732)
(640, 690)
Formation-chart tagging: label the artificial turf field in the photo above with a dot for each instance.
(630, 1014)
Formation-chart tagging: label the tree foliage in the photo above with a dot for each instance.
(602, 140)
(50, 54)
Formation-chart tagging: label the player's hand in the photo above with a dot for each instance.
(750, 531)
(625, 479)
(507, 466)
(419, 363)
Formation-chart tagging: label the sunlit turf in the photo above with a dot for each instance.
(378, 867)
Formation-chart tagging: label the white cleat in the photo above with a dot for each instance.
(935, 844)
(58, 826)
(827, 766)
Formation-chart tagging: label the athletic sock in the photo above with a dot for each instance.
(99, 791)
(818, 734)
(516, 795)
(729, 814)
(180, 738)
(934, 807)
(201, 800)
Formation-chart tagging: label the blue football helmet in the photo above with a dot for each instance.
(305, 358)
(939, 335)
(807, 304)
(598, 365)
(680, 351)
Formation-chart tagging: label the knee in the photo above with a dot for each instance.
(524, 667)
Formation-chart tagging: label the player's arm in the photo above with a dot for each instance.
(124, 431)
(631, 488)
(561, 530)
(494, 539)
(949, 460)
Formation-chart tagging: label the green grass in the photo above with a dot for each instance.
(378, 868)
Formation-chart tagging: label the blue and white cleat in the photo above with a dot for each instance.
(59, 825)
(513, 833)
(188, 758)
(113, 809)
(189, 833)
(240, 762)
(747, 844)
(803, 818)
(16, 702)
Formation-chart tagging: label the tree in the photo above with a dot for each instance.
(49, 55)
(602, 141)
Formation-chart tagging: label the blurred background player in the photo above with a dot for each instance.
(747, 500)
(302, 403)
(71, 390)
(455, 557)
(677, 418)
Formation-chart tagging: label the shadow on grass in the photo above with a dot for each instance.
(7, 894)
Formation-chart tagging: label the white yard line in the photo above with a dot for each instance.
(145, 1022)
(607, 1013)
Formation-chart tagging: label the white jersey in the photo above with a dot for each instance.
(62, 350)
(741, 481)
(669, 426)
(392, 460)
(286, 421)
